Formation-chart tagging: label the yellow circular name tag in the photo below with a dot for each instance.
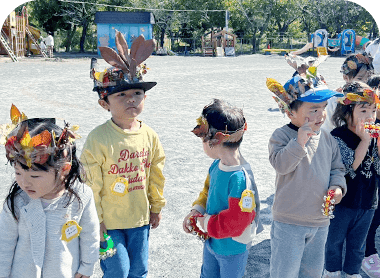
(120, 187)
(70, 230)
(247, 201)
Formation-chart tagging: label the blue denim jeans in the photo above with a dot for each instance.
(131, 258)
(222, 266)
(350, 225)
(297, 251)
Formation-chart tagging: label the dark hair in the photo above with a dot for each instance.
(374, 82)
(345, 112)
(221, 116)
(351, 71)
(295, 105)
(64, 154)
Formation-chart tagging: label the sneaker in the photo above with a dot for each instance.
(353, 276)
(371, 266)
(328, 274)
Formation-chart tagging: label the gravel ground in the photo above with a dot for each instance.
(61, 88)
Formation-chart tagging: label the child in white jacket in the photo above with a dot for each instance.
(49, 222)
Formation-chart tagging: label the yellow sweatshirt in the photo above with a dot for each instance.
(124, 169)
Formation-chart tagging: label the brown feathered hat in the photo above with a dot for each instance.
(127, 66)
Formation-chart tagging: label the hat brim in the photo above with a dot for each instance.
(320, 96)
(138, 85)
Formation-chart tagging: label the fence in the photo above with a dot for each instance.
(193, 46)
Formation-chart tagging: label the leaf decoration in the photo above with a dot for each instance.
(16, 115)
(122, 47)
(42, 139)
(112, 58)
(277, 89)
(127, 62)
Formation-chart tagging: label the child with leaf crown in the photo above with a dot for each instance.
(308, 164)
(49, 222)
(124, 159)
(360, 155)
(228, 206)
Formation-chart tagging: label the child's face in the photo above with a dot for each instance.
(126, 104)
(362, 113)
(38, 184)
(314, 112)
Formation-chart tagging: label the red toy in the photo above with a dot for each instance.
(328, 205)
(373, 129)
(194, 228)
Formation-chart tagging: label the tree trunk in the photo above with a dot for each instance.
(69, 39)
(162, 37)
(83, 37)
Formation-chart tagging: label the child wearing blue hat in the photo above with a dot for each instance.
(307, 162)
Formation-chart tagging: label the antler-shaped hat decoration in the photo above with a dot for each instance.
(127, 71)
(306, 86)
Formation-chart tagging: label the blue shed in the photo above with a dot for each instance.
(130, 24)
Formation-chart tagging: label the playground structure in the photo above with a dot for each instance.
(345, 43)
(220, 43)
(17, 38)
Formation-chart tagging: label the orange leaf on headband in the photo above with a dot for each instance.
(42, 139)
(16, 115)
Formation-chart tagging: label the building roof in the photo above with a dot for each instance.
(124, 17)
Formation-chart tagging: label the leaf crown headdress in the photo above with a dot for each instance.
(304, 83)
(356, 64)
(38, 149)
(127, 66)
(215, 136)
(359, 92)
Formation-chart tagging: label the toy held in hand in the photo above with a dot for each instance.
(328, 205)
(109, 251)
(194, 228)
(373, 129)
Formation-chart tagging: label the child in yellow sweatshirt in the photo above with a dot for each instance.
(124, 160)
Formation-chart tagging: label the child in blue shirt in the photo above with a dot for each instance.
(229, 201)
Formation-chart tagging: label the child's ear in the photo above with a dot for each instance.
(104, 104)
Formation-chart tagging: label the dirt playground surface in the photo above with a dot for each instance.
(62, 88)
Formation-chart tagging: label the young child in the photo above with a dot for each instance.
(371, 261)
(359, 151)
(49, 222)
(227, 220)
(307, 164)
(124, 160)
(356, 67)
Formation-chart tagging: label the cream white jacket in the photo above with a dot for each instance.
(33, 246)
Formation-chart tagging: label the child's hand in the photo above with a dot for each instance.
(338, 193)
(305, 132)
(78, 275)
(103, 229)
(185, 223)
(360, 131)
(155, 219)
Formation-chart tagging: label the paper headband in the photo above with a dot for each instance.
(359, 92)
(204, 130)
(20, 146)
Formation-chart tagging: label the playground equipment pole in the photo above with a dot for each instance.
(226, 35)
